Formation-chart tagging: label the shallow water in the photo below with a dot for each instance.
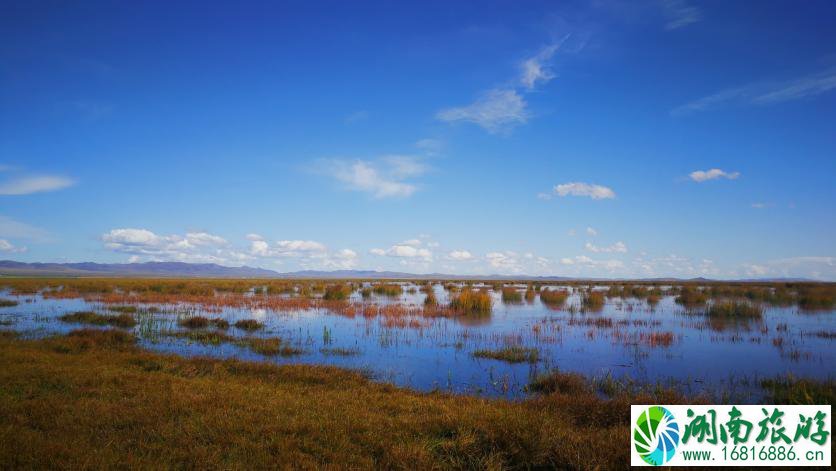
(436, 353)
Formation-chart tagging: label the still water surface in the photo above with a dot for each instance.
(437, 353)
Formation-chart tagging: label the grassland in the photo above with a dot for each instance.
(93, 400)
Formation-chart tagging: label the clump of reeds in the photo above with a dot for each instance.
(469, 301)
(271, 347)
(791, 390)
(196, 322)
(207, 337)
(430, 300)
(249, 324)
(388, 289)
(126, 309)
(530, 294)
(90, 317)
(560, 382)
(7, 302)
(200, 322)
(337, 292)
(220, 323)
(511, 295)
(513, 354)
(366, 293)
(735, 309)
(816, 298)
(553, 297)
(338, 351)
(592, 301)
(691, 297)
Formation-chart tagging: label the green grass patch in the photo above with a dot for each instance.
(249, 324)
(514, 354)
(93, 318)
(7, 302)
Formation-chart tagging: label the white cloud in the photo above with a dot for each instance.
(460, 255)
(507, 261)
(8, 247)
(700, 176)
(412, 242)
(344, 259)
(34, 184)
(591, 232)
(618, 247)
(816, 267)
(309, 254)
(584, 262)
(384, 179)
(497, 111)
(536, 69)
(680, 13)
(596, 192)
(764, 93)
(284, 248)
(200, 247)
(404, 251)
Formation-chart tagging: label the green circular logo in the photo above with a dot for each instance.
(656, 435)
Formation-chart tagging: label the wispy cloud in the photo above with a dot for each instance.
(700, 176)
(618, 247)
(356, 117)
(679, 13)
(596, 192)
(386, 178)
(12, 229)
(430, 146)
(34, 184)
(8, 247)
(497, 111)
(460, 255)
(764, 93)
(536, 69)
(582, 261)
(817, 267)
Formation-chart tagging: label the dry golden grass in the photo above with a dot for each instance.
(93, 400)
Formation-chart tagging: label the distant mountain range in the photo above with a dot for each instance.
(211, 270)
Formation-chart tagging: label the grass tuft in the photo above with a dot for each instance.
(7, 302)
(469, 301)
(735, 309)
(90, 317)
(514, 354)
(560, 382)
(553, 298)
(249, 324)
(511, 295)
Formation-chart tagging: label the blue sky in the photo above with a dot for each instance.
(607, 138)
